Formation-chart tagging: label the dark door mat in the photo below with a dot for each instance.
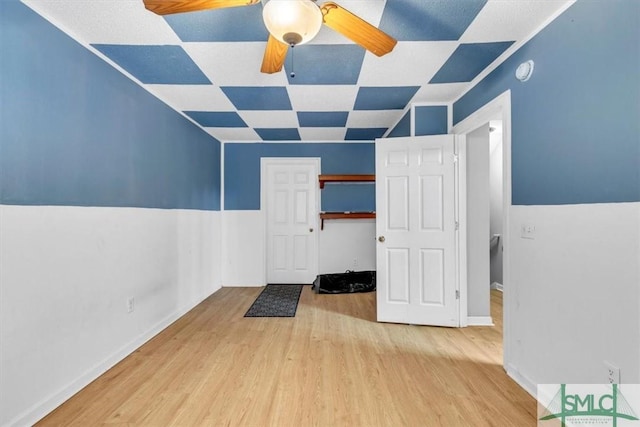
(276, 301)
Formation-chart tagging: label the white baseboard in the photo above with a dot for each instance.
(244, 285)
(479, 321)
(45, 406)
(497, 286)
(524, 382)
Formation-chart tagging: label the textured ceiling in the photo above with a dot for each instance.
(206, 64)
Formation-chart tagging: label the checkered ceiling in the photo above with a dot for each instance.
(206, 65)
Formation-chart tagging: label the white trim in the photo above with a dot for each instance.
(412, 120)
(497, 286)
(264, 161)
(480, 321)
(221, 177)
(45, 406)
(342, 141)
(460, 142)
(263, 214)
(499, 106)
(425, 104)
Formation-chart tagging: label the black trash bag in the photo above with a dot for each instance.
(345, 283)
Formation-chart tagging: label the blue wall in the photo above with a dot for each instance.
(75, 131)
(430, 120)
(242, 173)
(576, 122)
(403, 128)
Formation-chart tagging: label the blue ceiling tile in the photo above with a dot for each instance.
(364, 134)
(155, 64)
(217, 119)
(384, 98)
(323, 119)
(279, 134)
(426, 20)
(220, 25)
(468, 60)
(258, 98)
(324, 64)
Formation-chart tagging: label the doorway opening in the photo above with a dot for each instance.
(497, 114)
(496, 208)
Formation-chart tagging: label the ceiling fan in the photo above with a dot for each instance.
(291, 23)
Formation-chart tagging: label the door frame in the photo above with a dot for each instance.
(264, 162)
(499, 107)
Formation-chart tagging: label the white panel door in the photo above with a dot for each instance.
(290, 195)
(415, 224)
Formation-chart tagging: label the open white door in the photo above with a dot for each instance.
(416, 228)
(290, 199)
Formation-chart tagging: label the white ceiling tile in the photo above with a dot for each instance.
(373, 119)
(192, 97)
(409, 64)
(501, 20)
(443, 92)
(106, 21)
(238, 63)
(234, 134)
(270, 119)
(322, 134)
(234, 64)
(322, 98)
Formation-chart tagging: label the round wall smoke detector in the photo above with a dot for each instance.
(524, 71)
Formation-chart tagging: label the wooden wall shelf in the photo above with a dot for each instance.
(323, 179)
(345, 178)
(344, 215)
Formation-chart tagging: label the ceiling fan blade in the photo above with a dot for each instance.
(357, 29)
(167, 7)
(274, 56)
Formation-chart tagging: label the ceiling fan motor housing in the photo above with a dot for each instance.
(292, 39)
(293, 22)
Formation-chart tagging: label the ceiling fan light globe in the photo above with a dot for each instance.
(284, 18)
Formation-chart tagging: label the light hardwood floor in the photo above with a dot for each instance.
(331, 365)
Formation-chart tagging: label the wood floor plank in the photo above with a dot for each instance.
(331, 365)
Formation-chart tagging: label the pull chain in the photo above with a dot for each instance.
(293, 73)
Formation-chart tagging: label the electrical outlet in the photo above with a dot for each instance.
(613, 373)
(528, 231)
(355, 263)
(131, 304)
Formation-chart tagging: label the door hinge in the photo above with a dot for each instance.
(457, 294)
(455, 158)
(457, 225)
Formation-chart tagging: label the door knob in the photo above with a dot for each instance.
(381, 239)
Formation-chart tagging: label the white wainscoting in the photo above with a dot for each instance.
(243, 254)
(348, 244)
(344, 245)
(65, 276)
(575, 290)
